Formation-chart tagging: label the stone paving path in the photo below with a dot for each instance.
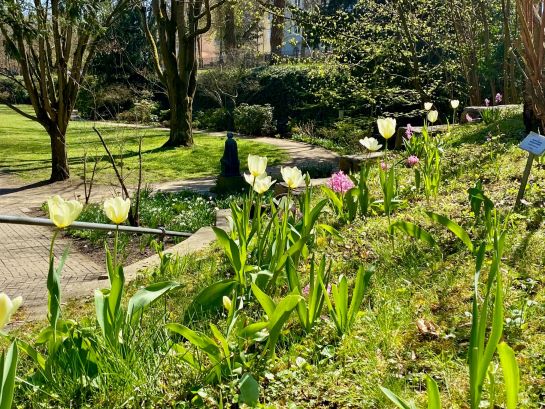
(24, 250)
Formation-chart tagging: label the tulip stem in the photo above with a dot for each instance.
(115, 245)
(51, 255)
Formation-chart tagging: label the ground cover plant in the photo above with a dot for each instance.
(305, 307)
(31, 160)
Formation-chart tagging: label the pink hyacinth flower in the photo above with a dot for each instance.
(340, 182)
(384, 166)
(487, 102)
(412, 161)
(499, 98)
(409, 132)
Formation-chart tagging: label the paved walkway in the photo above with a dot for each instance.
(24, 250)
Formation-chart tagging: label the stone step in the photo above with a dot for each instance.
(352, 163)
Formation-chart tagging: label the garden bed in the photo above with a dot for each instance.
(414, 320)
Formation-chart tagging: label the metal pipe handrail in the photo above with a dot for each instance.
(40, 221)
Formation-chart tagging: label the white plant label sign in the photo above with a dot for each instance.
(534, 143)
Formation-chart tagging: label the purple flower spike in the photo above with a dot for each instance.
(487, 102)
(340, 182)
(409, 132)
(412, 161)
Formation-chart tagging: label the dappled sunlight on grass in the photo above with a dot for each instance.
(25, 151)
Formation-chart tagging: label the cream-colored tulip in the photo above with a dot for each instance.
(257, 165)
(263, 183)
(428, 106)
(117, 209)
(8, 308)
(293, 177)
(371, 144)
(432, 116)
(250, 179)
(63, 212)
(386, 127)
(227, 304)
(454, 104)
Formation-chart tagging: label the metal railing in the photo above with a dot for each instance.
(40, 221)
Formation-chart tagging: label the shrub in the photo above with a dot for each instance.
(216, 119)
(143, 111)
(254, 119)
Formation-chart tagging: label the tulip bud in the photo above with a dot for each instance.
(117, 209)
(432, 116)
(227, 304)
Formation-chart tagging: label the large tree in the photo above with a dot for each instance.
(53, 42)
(173, 39)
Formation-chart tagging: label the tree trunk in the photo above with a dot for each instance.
(277, 28)
(59, 158)
(181, 123)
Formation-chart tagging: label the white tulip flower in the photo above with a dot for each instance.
(63, 212)
(371, 144)
(293, 177)
(428, 106)
(433, 116)
(8, 308)
(454, 103)
(257, 165)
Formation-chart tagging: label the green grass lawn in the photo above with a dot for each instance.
(25, 151)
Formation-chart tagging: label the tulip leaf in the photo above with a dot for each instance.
(362, 282)
(454, 227)
(400, 403)
(434, 398)
(511, 374)
(414, 231)
(266, 302)
(8, 364)
(212, 296)
(197, 339)
(249, 390)
(146, 296)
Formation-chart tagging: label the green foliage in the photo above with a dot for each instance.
(144, 111)
(8, 367)
(491, 115)
(215, 119)
(254, 119)
(343, 309)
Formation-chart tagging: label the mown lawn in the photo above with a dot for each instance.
(415, 320)
(25, 151)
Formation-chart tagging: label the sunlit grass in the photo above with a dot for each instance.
(25, 151)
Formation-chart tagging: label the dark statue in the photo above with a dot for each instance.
(230, 164)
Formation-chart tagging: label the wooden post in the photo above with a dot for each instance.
(524, 180)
